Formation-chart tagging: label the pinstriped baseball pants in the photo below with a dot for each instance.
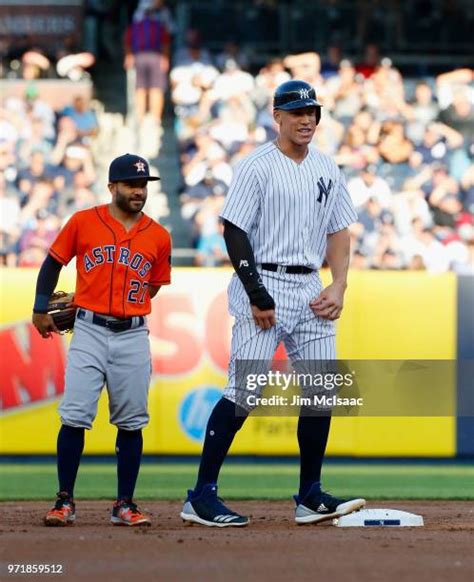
(305, 336)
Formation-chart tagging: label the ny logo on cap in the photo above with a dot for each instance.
(140, 166)
(304, 93)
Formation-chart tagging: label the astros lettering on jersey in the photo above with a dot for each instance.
(114, 266)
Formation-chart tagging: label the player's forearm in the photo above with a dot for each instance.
(47, 280)
(338, 255)
(243, 260)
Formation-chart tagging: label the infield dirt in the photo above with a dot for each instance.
(272, 548)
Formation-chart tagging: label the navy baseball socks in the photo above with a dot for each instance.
(70, 445)
(129, 448)
(312, 504)
(69, 451)
(313, 432)
(220, 432)
(202, 505)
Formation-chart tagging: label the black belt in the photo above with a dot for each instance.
(292, 270)
(115, 325)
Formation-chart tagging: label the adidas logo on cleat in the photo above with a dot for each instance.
(322, 509)
(225, 518)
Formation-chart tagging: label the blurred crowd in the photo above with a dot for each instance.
(47, 172)
(52, 156)
(404, 146)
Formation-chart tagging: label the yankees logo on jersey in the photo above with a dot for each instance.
(324, 190)
(287, 209)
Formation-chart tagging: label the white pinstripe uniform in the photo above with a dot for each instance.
(287, 210)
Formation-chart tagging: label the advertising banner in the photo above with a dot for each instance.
(399, 316)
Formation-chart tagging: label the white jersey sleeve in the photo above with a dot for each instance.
(343, 212)
(243, 201)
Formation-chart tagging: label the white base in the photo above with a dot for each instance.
(380, 518)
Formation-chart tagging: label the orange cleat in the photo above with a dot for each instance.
(127, 513)
(63, 513)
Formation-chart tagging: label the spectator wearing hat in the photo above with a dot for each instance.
(38, 108)
(34, 65)
(73, 66)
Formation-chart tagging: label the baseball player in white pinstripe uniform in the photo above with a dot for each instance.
(287, 211)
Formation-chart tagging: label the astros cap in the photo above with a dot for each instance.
(130, 167)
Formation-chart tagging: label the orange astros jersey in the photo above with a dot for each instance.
(114, 267)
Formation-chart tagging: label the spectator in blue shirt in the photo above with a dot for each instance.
(84, 118)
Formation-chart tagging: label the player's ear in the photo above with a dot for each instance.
(112, 187)
(277, 116)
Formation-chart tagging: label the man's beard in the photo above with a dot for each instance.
(125, 204)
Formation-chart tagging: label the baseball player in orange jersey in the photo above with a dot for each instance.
(122, 260)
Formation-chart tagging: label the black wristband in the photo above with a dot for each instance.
(261, 298)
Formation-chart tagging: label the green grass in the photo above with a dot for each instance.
(248, 481)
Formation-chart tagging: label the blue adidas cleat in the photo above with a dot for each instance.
(209, 509)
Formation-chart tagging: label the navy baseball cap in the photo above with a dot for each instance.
(130, 167)
(295, 95)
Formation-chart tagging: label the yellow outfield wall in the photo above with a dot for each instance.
(399, 315)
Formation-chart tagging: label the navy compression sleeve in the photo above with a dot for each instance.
(47, 280)
(243, 261)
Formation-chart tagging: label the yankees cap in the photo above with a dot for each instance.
(295, 94)
(130, 167)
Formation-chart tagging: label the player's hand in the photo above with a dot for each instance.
(44, 324)
(329, 302)
(265, 319)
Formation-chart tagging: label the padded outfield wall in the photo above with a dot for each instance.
(387, 316)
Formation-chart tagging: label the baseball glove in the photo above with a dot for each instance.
(63, 311)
